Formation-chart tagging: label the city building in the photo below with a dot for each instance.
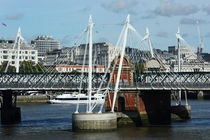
(136, 55)
(102, 54)
(186, 53)
(190, 62)
(78, 68)
(45, 44)
(65, 55)
(28, 52)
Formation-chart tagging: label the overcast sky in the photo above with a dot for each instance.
(66, 19)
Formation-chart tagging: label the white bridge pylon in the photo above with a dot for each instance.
(123, 37)
(147, 37)
(19, 39)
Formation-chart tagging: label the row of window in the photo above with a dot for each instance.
(21, 57)
(79, 69)
(23, 52)
(13, 62)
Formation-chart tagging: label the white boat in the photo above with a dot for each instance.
(77, 98)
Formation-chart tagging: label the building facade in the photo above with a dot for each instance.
(78, 68)
(45, 44)
(190, 62)
(102, 54)
(28, 52)
(64, 56)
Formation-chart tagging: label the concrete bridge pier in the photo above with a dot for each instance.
(142, 108)
(157, 105)
(94, 121)
(10, 114)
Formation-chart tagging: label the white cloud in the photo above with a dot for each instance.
(162, 34)
(207, 9)
(188, 21)
(14, 16)
(170, 8)
(207, 35)
(192, 21)
(121, 6)
(85, 9)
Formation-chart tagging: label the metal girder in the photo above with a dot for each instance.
(46, 80)
(178, 80)
(149, 80)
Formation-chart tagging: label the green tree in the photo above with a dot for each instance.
(31, 67)
(139, 67)
(9, 69)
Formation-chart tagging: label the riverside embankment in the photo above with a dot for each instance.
(32, 99)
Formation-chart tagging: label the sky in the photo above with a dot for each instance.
(65, 20)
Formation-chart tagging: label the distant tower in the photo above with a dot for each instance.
(200, 47)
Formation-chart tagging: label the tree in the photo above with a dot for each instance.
(10, 68)
(139, 68)
(31, 67)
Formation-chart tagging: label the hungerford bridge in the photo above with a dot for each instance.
(142, 96)
(71, 81)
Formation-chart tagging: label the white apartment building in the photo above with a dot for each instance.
(45, 44)
(7, 53)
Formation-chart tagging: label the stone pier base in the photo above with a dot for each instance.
(181, 112)
(94, 121)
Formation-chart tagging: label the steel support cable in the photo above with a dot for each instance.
(114, 57)
(51, 71)
(171, 73)
(8, 63)
(84, 59)
(200, 59)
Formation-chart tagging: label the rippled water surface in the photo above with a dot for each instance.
(53, 121)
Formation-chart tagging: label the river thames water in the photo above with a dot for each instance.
(53, 122)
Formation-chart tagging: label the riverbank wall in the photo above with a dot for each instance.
(32, 99)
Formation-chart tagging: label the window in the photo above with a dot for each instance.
(5, 56)
(26, 52)
(33, 52)
(13, 57)
(13, 62)
(26, 57)
(4, 51)
(32, 57)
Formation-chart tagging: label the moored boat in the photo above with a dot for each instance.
(77, 98)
